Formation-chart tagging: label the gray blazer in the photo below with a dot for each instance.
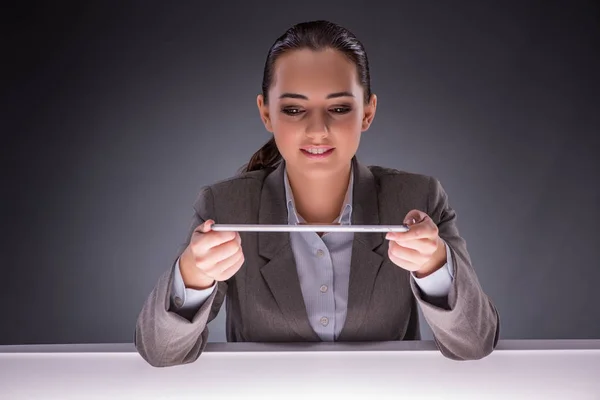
(264, 299)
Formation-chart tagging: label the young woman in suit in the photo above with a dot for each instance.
(316, 100)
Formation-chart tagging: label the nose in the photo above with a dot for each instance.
(317, 125)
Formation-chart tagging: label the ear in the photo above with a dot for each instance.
(263, 110)
(369, 113)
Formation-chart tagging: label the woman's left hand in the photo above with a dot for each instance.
(420, 250)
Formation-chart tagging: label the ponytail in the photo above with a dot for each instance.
(267, 156)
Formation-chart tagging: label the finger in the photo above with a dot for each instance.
(230, 266)
(422, 230)
(402, 263)
(214, 239)
(220, 266)
(414, 217)
(410, 255)
(228, 273)
(425, 246)
(205, 226)
(219, 253)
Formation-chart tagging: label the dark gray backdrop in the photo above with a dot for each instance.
(114, 116)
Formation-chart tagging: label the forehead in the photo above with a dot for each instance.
(315, 73)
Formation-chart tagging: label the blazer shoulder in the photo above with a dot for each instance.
(232, 199)
(243, 182)
(391, 177)
(411, 190)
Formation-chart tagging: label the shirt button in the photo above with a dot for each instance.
(320, 253)
(323, 288)
(324, 321)
(178, 301)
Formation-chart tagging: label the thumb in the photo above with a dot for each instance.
(205, 227)
(414, 217)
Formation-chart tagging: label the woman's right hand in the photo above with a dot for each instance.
(210, 256)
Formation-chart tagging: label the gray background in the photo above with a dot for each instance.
(114, 117)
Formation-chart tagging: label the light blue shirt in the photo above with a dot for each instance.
(323, 265)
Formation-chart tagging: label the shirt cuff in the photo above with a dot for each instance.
(439, 283)
(185, 298)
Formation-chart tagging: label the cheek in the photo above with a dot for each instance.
(284, 139)
(286, 136)
(349, 127)
(349, 124)
(283, 125)
(352, 123)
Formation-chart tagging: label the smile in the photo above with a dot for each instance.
(318, 152)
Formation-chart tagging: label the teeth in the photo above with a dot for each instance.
(316, 151)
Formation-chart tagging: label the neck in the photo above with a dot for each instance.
(319, 200)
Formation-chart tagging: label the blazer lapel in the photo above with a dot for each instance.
(365, 262)
(280, 272)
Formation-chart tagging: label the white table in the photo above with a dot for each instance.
(530, 369)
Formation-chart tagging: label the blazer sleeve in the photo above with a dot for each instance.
(465, 324)
(165, 336)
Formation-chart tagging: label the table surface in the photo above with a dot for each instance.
(517, 369)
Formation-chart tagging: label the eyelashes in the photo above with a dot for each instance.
(291, 111)
(295, 111)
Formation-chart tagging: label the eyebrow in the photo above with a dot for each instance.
(303, 97)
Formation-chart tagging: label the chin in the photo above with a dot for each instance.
(322, 168)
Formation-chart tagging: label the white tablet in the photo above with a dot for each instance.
(308, 228)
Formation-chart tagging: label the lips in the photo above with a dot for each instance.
(317, 149)
(317, 152)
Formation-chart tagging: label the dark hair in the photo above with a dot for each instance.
(314, 35)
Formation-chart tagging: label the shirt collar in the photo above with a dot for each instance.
(345, 216)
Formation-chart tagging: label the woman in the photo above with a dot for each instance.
(289, 287)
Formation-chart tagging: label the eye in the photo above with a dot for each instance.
(341, 110)
(292, 111)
